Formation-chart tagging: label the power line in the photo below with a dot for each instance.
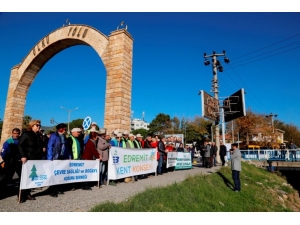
(265, 57)
(248, 90)
(267, 46)
(264, 53)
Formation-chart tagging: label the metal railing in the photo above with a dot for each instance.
(269, 154)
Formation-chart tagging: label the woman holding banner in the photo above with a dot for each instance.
(30, 148)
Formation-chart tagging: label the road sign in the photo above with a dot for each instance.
(87, 122)
(234, 106)
(210, 106)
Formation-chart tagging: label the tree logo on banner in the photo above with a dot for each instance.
(152, 155)
(115, 157)
(33, 174)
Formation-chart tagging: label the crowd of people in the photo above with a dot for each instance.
(93, 144)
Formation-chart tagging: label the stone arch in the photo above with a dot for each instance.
(115, 51)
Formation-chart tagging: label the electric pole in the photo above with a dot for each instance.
(216, 66)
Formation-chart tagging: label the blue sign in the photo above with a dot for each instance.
(87, 122)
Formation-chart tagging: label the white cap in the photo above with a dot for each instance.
(102, 131)
(119, 134)
(94, 123)
(139, 135)
(131, 135)
(76, 129)
(93, 129)
(125, 132)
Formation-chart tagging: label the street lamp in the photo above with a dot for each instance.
(272, 122)
(69, 112)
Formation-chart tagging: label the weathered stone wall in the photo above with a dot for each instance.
(116, 54)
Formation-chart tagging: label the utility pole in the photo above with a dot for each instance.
(216, 66)
(69, 112)
(271, 115)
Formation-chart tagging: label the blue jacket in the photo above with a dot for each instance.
(10, 149)
(55, 147)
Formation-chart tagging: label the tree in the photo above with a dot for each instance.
(26, 120)
(33, 173)
(76, 123)
(196, 129)
(161, 123)
(291, 132)
(140, 131)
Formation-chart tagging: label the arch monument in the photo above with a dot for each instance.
(115, 51)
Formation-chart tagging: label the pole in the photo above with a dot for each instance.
(223, 126)
(69, 113)
(216, 95)
(69, 122)
(216, 65)
(212, 133)
(232, 131)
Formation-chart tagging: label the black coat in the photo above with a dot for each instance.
(30, 146)
(223, 150)
(161, 147)
(213, 150)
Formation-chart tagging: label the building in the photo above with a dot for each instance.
(139, 124)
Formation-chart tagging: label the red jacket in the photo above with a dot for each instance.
(90, 151)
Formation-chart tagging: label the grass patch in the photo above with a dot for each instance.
(213, 193)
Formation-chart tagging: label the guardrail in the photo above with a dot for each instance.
(270, 154)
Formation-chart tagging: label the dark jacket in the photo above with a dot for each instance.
(180, 149)
(30, 146)
(90, 151)
(161, 148)
(54, 150)
(213, 150)
(147, 144)
(223, 150)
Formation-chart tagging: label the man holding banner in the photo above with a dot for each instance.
(58, 149)
(30, 148)
(102, 148)
(162, 150)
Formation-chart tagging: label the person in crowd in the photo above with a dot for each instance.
(191, 149)
(81, 139)
(75, 147)
(213, 153)
(113, 141)
(49, 135)
(223, 152)
(136, 143)
(293, 149)
(130, 143)
(102, 147)
(11, 157)
(282, 151)
(45, 140)
(154, 142)
(207, 151)
(139, 138)
(87, 134)
(58, 149)
(90, 152)
(148, 140)
(119, 140)
(124, 139)
(180, 148)
(74, 144)
(236, 166)
(162, 151)
(30, 148)
(202, 151)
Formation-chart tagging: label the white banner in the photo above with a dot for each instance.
(127, 162)
(180, 160)
(40, 173)
(171, 159)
